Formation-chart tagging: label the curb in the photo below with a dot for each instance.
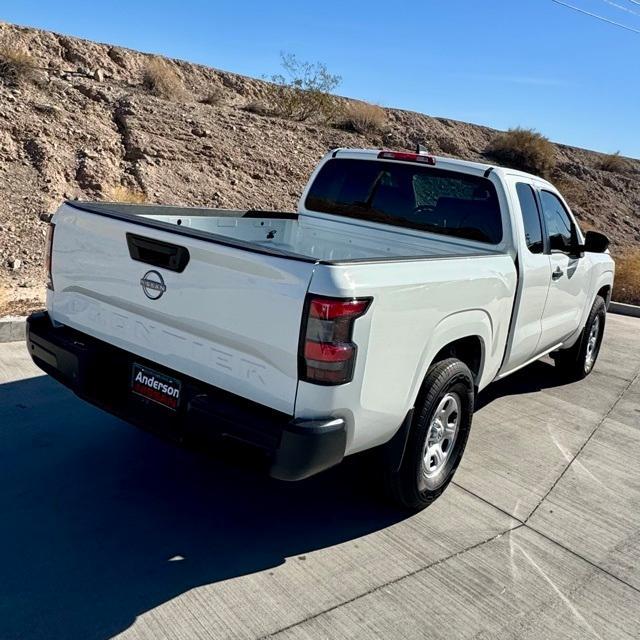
(12, 328)
(624, 309)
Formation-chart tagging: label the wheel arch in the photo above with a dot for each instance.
(469, 349)
(602, 286)
(467, 336)
(605, 293)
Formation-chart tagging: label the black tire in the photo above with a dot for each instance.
(577, 362)
(409, 485)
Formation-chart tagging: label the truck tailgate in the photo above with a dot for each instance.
(231, 318)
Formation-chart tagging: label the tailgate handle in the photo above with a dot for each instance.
(158, 253)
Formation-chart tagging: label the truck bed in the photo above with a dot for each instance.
(231, 315)
(314, 238)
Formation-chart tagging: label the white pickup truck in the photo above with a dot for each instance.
(371, 318)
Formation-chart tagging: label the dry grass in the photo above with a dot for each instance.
(128, 195)
(21, 302)
(215, 98)
(523, 149)
(16, 65)
(257, 107)
(613, 162)
(626, 286)
(449, 146)
(162, 80)
(575, 192)
(362, 117)
(5, 297)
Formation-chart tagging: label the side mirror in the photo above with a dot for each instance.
(595, 242)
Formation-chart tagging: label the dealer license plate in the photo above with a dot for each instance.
(157, 387)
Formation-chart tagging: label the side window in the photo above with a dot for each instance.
(530, 217)
(559, 226)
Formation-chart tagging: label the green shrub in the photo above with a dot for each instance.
(613, 162)
(303, 91)
(161, 79)
(362, 117)
(523, 149)
(15, 65)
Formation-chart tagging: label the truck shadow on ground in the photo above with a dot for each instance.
(537, 376)
(101, 522)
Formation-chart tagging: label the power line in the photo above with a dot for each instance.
(595, 15)
(635, 2)
(621, 7)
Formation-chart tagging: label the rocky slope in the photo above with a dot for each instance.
(85, 127)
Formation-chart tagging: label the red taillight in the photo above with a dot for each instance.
(407, 157)
(330, 309)
(327, 355)
(49, 255)
(326, 352)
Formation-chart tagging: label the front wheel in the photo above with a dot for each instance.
(577, 362)
(437, 436)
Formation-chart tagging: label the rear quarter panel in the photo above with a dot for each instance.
(418, 307)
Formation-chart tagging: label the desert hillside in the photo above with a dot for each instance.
(83, 124)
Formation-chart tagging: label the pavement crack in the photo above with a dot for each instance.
(389, 583)
(583, 558)
(526, 525)
(488, 502)
(584, 444)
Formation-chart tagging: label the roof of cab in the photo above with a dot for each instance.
(480, 166)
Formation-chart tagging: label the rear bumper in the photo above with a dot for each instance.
(99, 373)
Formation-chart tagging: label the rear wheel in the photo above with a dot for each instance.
(577, 362)
(437, 436)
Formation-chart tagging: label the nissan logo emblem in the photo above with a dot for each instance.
(153, 285)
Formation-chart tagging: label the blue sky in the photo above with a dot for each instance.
(501, 63)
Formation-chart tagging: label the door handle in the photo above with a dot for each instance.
(557, 274)
(158, 253)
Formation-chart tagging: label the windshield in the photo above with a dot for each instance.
(408, 195)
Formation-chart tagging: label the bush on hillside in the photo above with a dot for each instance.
(574, 192)
(613, 162)
(122, 193)
(449, 146)
(15, 65)
(304, 90)
(215, 98)
(162, 80)
(523, 149)
(257, 107)
(362, 117)
(626, 287)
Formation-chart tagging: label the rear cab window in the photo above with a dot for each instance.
(411, 196)
(530, 217)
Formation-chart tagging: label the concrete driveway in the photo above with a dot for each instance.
(106, 531)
